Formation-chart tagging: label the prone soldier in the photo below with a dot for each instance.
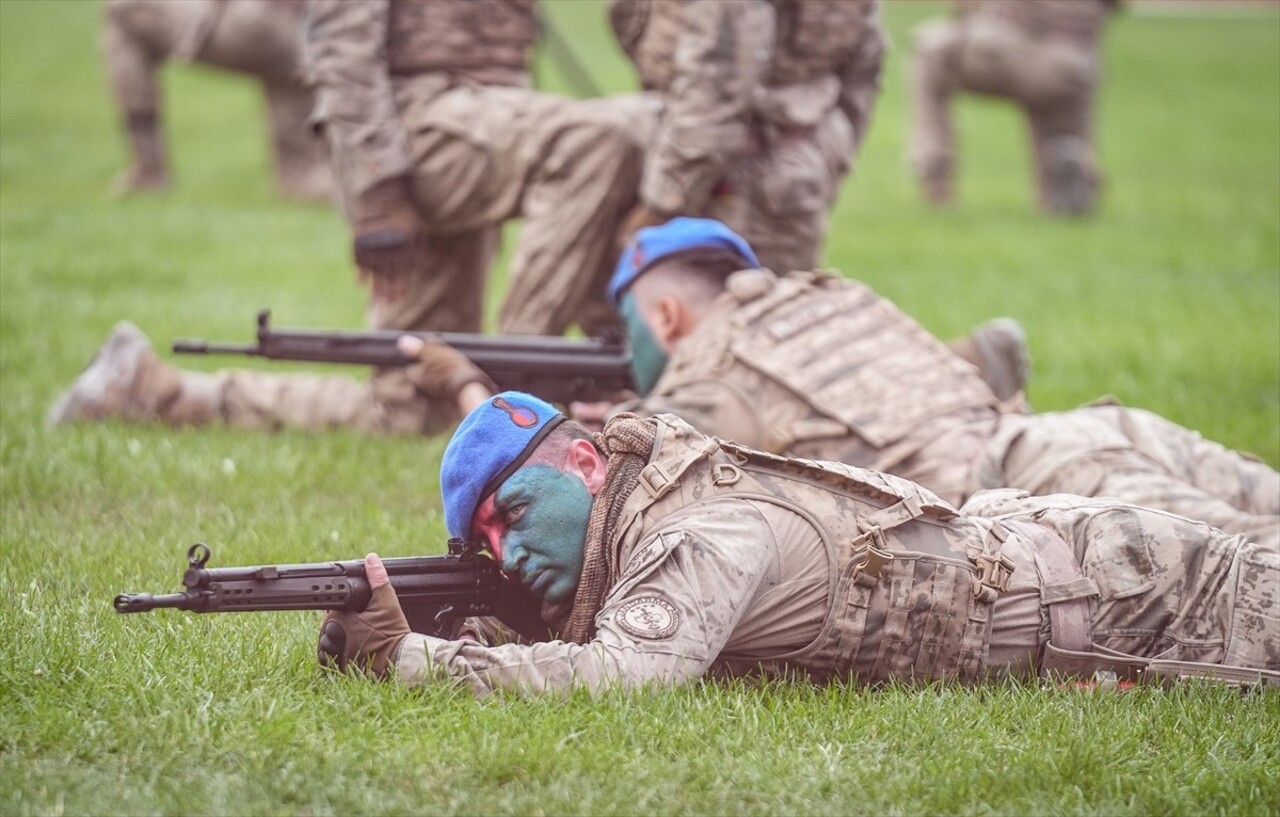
(1041, 54)
(662, 555)
(261, 38)
(821, 367)
(764, 107)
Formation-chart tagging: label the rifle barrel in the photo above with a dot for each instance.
(204, 347)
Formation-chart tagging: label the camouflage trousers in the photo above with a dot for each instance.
(1158, 586)
(1052, 78)
(1139, 457)
(259, 38)
(779, 197)
(483, 155)
(568, 168)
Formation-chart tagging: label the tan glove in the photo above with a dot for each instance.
(367, 640)
(390, 236)
(442, 371)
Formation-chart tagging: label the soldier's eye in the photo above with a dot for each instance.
(512, 515)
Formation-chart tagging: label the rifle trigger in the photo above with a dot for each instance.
(442, 617)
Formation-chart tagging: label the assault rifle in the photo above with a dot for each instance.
(556, 369)
(435, 592)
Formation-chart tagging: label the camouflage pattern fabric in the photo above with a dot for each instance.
(1112, 450)
(1167, 586)
(760, 369)
(764, 106)
(1041, 54)
(260, 38)
(738, 562)
(479, 147)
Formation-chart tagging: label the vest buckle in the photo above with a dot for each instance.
(867, 572)
(656, 482)
(994, 572)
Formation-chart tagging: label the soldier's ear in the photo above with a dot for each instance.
(671, 321)
(585, 462)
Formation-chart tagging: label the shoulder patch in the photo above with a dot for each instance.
(650, 618)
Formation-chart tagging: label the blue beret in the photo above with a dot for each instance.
(490, 444)
(652, 244)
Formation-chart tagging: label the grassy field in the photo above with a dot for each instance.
(1169, 299)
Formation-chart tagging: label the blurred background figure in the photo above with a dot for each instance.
(1041, 54)
(764, 107)
(261, 38)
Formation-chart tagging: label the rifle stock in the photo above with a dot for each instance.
(556, 369)
(435, 592)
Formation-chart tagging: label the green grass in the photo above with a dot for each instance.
(1169, 298)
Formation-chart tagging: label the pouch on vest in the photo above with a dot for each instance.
(855, 357)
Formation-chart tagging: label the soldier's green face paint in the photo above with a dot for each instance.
(648, 360)
(536, 524)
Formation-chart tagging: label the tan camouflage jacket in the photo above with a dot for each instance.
(738, 562)
(730, 69)
(355, 51)
(822, 367)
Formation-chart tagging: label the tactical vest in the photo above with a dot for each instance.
(913, 581)
(814, 38)
(460, 35)
(854, 362)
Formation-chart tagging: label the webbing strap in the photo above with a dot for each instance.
(873, 525)
(658, 481)
(1228, 673)
(1059, 661)
(1065, 591)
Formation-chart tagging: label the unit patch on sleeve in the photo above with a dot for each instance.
(649, 618)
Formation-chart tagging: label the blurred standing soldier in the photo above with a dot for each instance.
(261, 38)
(764, 107)
(1041, 54)
(435, 139)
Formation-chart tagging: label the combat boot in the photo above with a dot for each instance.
(999, 349)
(936, 182)
(1070, 181)
(127, 381)
(149, 170)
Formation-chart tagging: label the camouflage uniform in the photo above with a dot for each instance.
(765, 104)
(736, 562)
(759, 369)
(1041, 54)
(438, 92)
(261, 38)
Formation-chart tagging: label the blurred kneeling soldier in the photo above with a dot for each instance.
(1041, 54)
(764, 106)
(261, 38)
